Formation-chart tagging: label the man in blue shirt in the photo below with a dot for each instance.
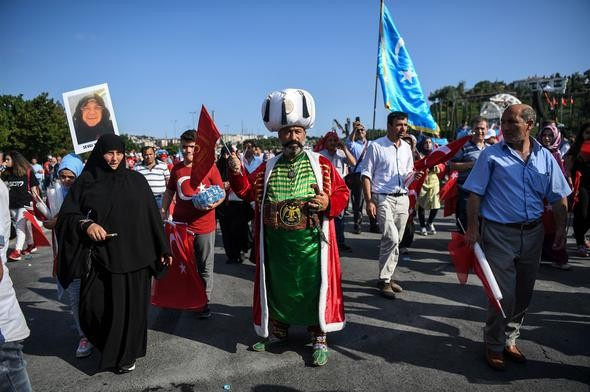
(508, 184)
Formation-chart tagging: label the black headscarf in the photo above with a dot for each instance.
(84, 132)
(119, 200)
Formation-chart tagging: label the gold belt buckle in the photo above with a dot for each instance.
(290, 213)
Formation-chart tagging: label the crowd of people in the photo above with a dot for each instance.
(286, 213)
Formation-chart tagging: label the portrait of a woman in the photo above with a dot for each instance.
(92, 119)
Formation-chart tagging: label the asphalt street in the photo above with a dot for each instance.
(428, 339)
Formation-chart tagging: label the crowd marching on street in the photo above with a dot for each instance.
(110, 219)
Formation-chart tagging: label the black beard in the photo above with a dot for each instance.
(292, 149)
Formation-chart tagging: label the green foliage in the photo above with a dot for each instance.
(271, 143)
(373, 134)
(130, 144)
(454, 105)
(35, 127)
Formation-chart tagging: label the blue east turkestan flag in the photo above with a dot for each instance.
(399, 82)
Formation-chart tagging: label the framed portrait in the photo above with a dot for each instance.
(90, 114)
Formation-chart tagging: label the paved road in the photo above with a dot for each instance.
(429, 338)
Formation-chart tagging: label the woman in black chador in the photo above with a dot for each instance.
(111, 235)
(92, 119)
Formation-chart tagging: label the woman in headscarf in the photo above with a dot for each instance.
(428, 199)
(92, 119)
(69, 169)
(111, 236)
(550, 138)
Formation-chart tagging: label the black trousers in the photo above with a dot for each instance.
(233, 220)
(357, 200)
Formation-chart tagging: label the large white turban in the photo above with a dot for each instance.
(288, 107)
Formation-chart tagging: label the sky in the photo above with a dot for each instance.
(163, 59)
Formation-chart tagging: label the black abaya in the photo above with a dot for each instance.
(116, 272)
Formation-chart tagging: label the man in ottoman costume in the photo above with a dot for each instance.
(297, 195)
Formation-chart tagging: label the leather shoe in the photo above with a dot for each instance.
(396, 287)
(514, 354)
(495, 360)
(386, 290)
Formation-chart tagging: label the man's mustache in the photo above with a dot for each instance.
(292, 143)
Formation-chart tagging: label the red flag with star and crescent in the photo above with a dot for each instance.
(204, 154)
(441, 154)
(181, 287)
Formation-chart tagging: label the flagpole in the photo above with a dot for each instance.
(377, 67)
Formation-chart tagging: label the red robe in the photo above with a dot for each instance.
(253, 188)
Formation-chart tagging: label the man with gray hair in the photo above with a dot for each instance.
(508, 185)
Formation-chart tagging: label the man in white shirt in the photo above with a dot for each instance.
(387, 165)
(156, 173)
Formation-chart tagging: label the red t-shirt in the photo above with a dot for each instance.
(201, 222)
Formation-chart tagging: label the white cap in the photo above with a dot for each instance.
(288, 107)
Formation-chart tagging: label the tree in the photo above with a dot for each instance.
(35, 127)
(130, 144)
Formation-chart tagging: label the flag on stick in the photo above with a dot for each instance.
(464, 258)
(204, 154)
(38, 236)
(441, 154)
(399, 81)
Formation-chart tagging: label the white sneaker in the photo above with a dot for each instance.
(84, 348)
(431, 228)
(423, 231)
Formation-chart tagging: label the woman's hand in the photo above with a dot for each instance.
(50, 223)
(96, 232)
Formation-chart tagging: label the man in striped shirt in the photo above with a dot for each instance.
(156, 173)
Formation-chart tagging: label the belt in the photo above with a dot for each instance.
(289, 215)
(521, 225)
(392, 194)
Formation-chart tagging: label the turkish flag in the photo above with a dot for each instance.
(181, 287)
(448, 194)
(441, 154)
(38, 236)
(204, 155)
(464, 259)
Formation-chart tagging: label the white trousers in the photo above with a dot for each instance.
(23, 228)
(392, 215)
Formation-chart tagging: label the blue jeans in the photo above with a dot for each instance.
(13, 371)
(158, 199)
